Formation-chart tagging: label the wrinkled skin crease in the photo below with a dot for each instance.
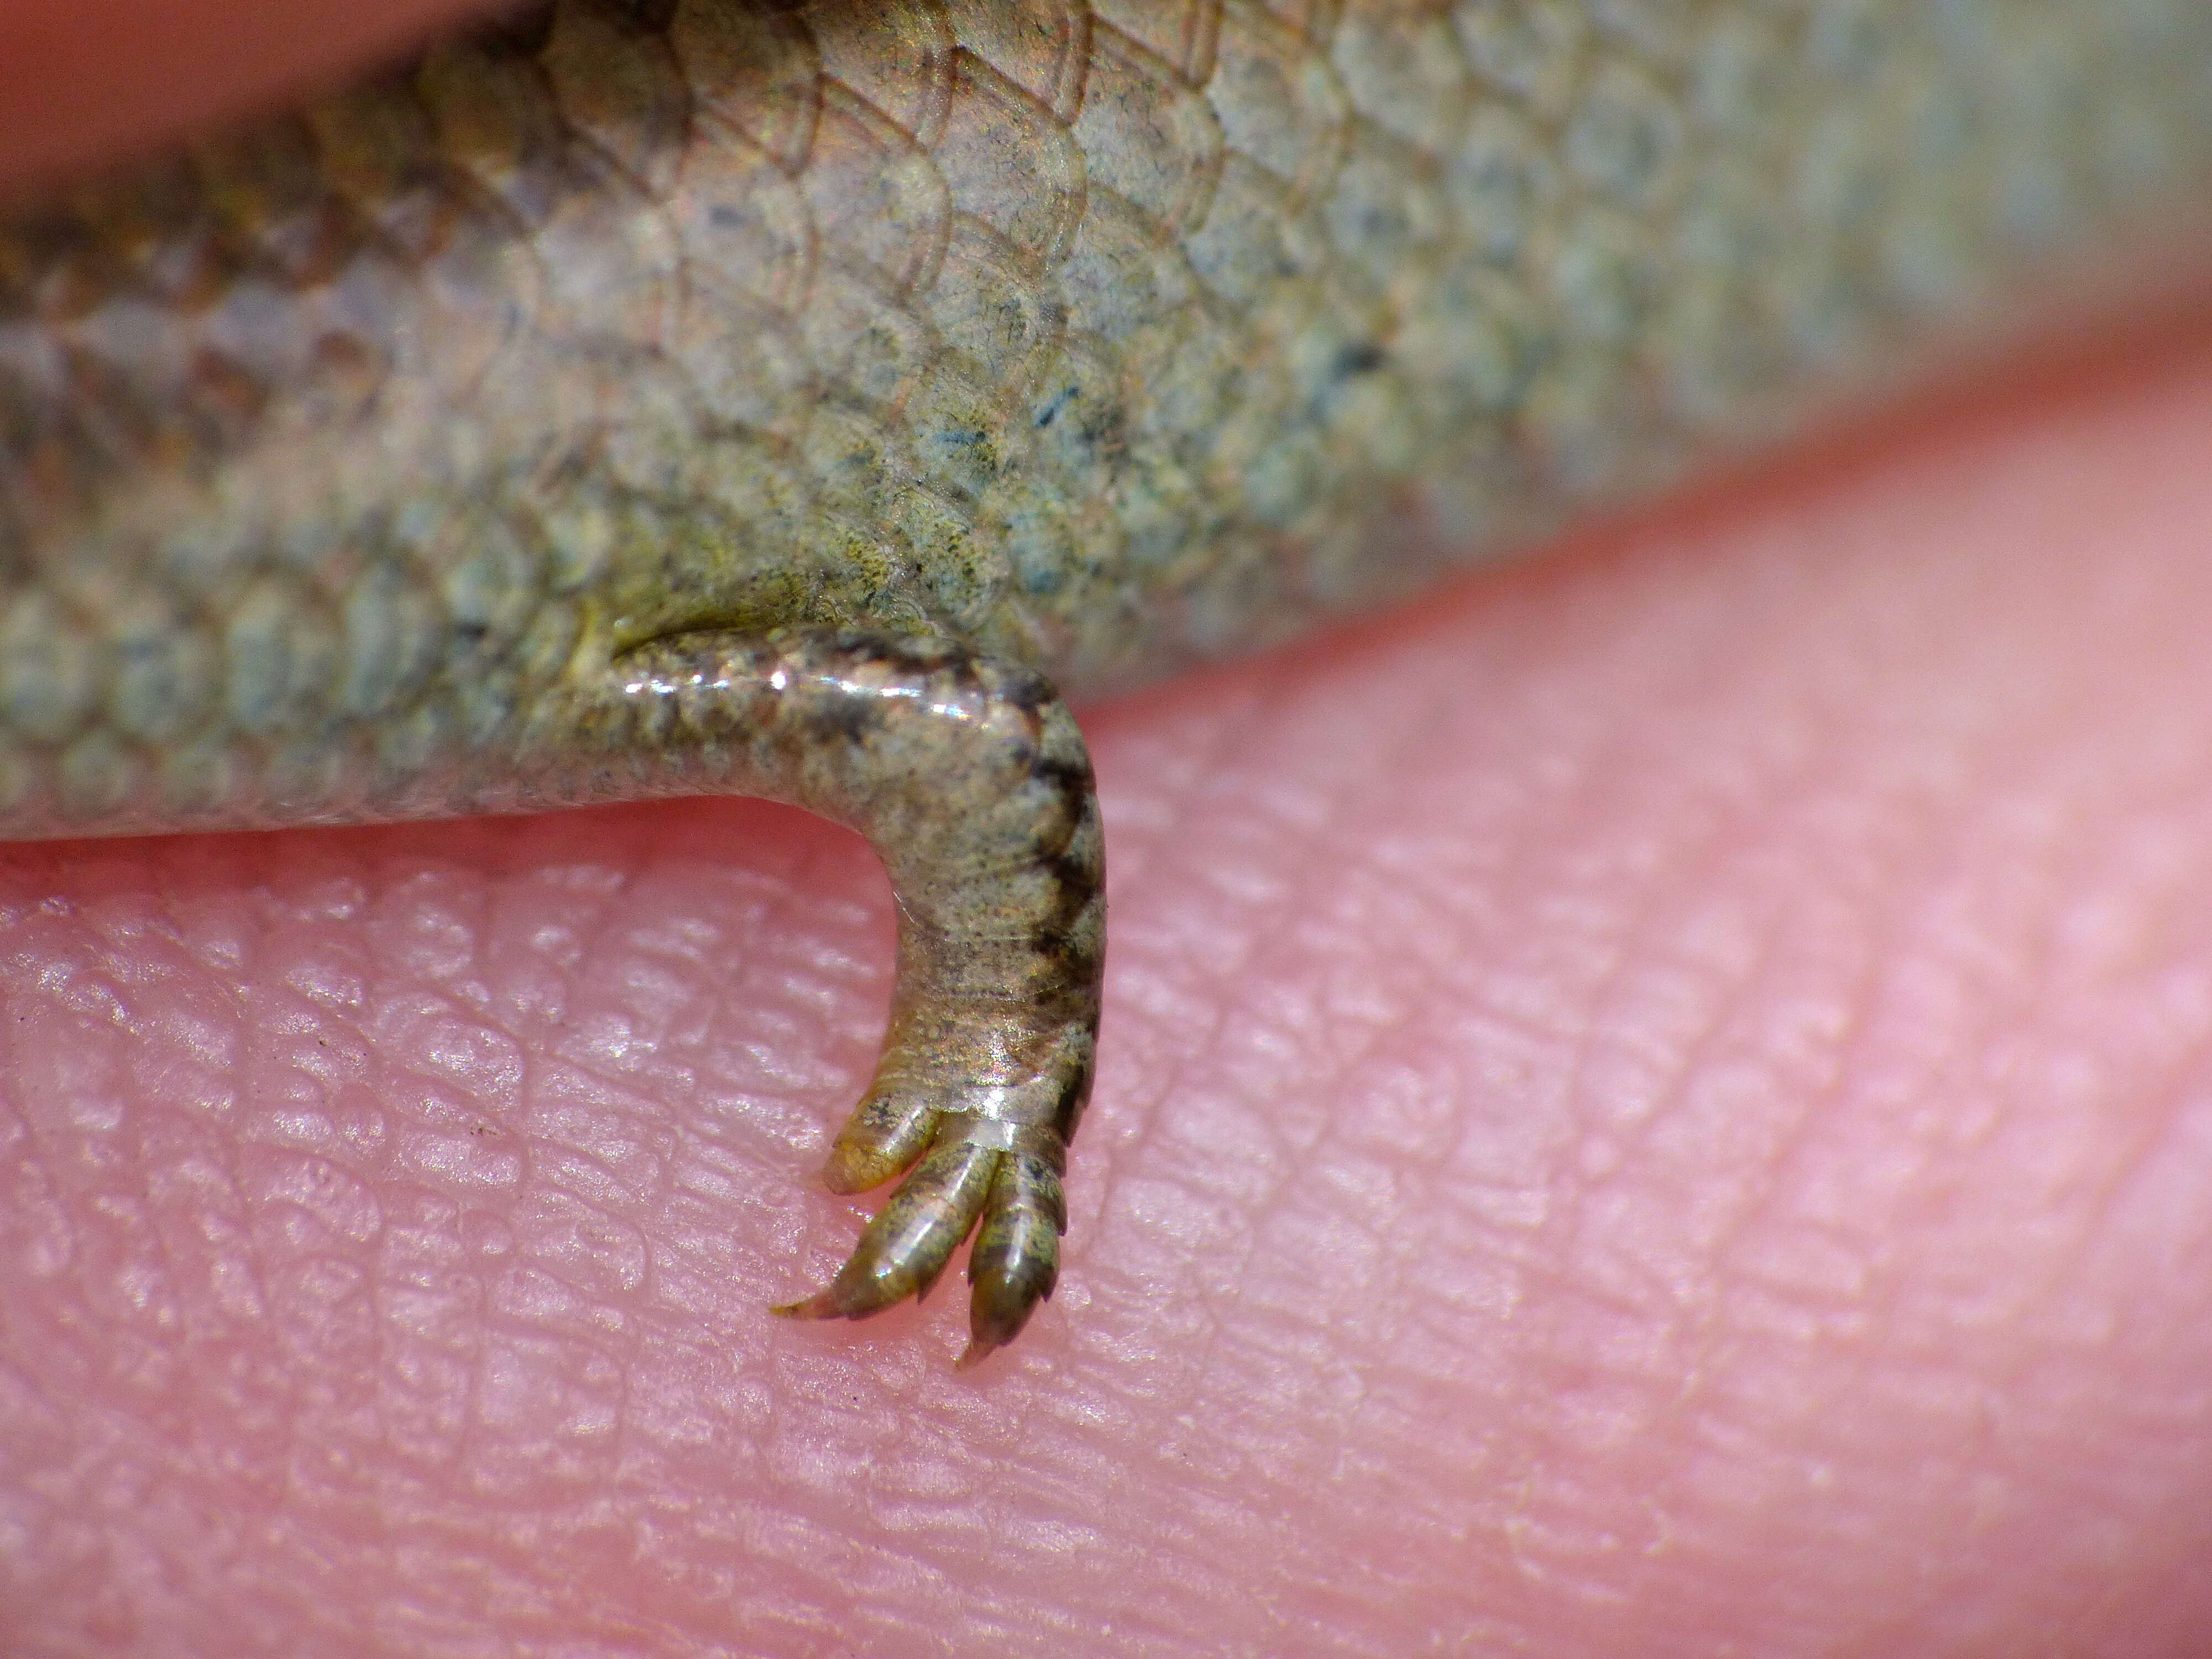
(1654, 1102)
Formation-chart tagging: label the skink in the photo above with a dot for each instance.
(645, 397)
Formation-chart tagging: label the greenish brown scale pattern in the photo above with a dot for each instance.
(1098, 337)
(643, 396)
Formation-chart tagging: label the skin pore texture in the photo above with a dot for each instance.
(1657, 1101)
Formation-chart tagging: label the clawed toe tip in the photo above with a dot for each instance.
(974, 1354)
(822, 1305)
(853, 1294)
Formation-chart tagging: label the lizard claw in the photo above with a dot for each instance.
(1013, 1188)
(970, 779)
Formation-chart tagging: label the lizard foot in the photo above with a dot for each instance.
(971, 781)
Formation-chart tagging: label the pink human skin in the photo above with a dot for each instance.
(1659, 1102)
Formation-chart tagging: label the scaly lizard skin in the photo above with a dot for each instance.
(648, 396)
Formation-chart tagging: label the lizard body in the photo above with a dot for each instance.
(652, 396)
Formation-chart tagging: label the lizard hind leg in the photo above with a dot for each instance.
(970, 778)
